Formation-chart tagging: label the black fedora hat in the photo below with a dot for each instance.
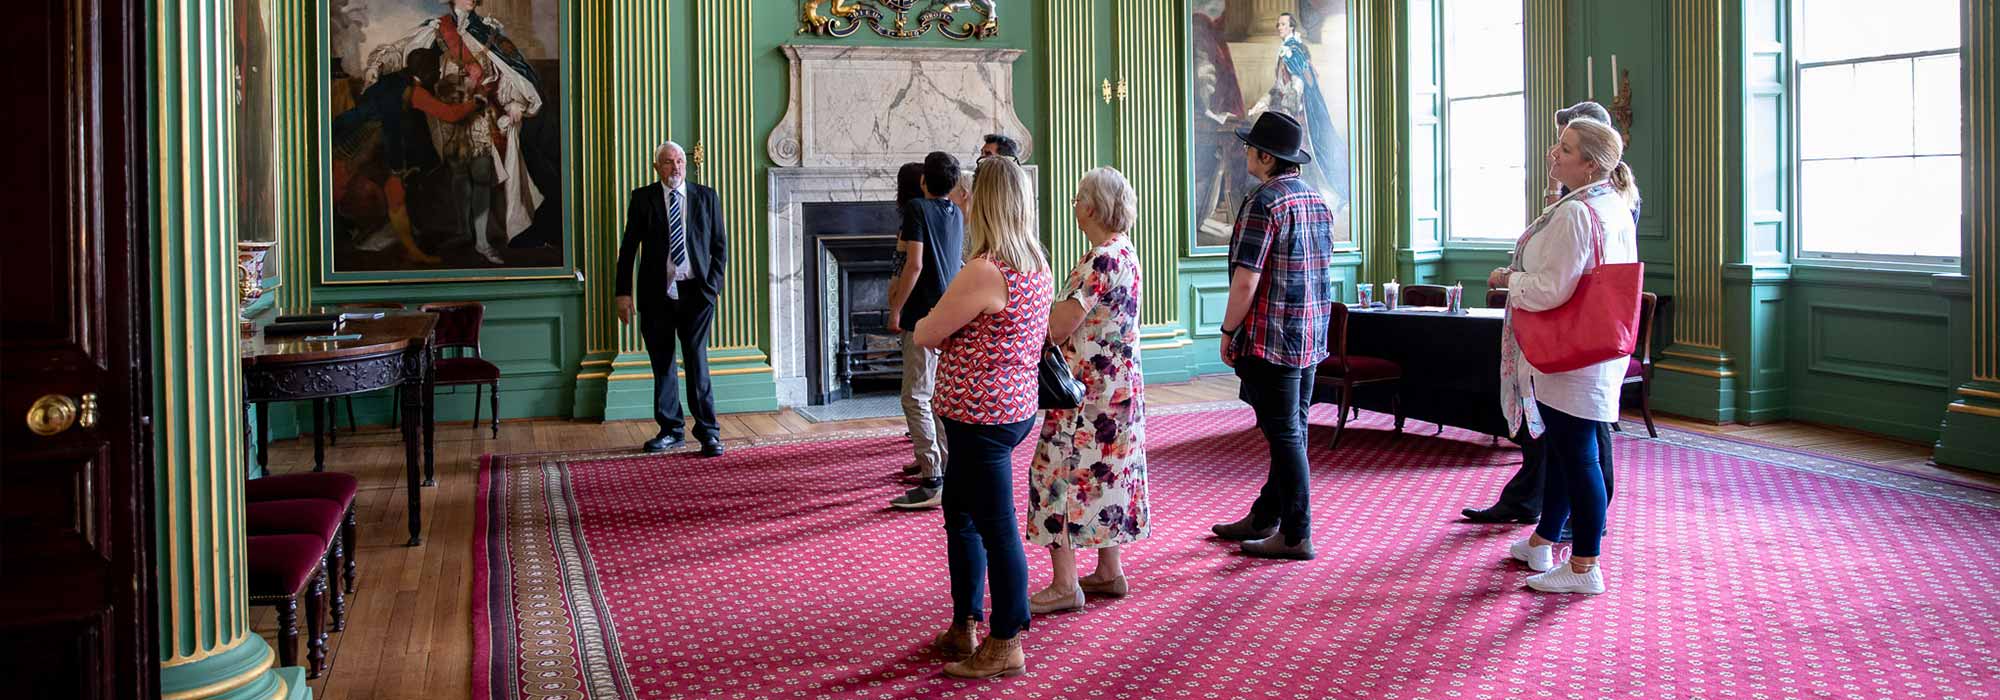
(1278, 134)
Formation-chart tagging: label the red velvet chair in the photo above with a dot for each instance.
(458, 329)
(1343, 372)
(1640, 370)
(1423, 295)
(306, 516)
(284, 569)
(335, 487)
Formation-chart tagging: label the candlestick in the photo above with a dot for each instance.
(1590, 77)
(1614, 76)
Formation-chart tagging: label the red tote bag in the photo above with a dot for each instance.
(1599, 322)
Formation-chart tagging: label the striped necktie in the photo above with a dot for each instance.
(676, 231)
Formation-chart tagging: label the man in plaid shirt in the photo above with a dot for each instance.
(1274, 331)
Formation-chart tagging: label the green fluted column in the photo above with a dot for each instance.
(1971, 435)
(1695, 375)
(1151, 152)
(621, 109)
(738, 366)
(207, 649)
(1376, 214)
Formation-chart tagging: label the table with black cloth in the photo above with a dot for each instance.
(1451, 365)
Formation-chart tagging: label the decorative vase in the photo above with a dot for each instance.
(250, 257)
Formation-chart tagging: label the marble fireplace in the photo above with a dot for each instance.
(856, 114)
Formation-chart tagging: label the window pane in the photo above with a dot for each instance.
(1936, 104)
(1857, 110)
(1482, 47)
(1888, 206)
(1486, 174)
(1831, 30)
(1826, 114)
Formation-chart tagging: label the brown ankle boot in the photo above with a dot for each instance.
(995, 657)
(957, 642)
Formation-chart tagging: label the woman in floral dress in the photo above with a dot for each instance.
(1087, 489)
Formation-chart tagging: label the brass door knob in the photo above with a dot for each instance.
(51, 414)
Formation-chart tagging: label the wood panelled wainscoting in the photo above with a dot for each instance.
(409, 631)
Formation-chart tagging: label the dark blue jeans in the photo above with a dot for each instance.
(1280, 396)
(982, 537)
(1573, 481)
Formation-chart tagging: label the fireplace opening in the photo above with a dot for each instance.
(851, 248)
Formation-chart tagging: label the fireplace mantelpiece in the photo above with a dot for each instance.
(885, 106)
(856, 115)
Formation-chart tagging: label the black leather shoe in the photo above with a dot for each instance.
(1499, 514)
(1275, 547)
(1241, 530)
(662, 443)
(711, 448)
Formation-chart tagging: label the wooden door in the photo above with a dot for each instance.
(76, 529)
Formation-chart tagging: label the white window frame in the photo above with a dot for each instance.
(1796, 163)
(1504, 234)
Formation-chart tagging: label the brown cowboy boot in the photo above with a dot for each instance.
(957, 642)
(995, 657)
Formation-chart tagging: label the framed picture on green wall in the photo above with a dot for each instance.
(445, 155)
(1247, 57)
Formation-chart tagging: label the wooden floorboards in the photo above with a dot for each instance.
(409, 632)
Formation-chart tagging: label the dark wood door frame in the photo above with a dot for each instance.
(77, 577)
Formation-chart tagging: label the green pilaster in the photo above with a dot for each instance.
(624, 111)
(1071, 146)
(1151, 152)
(1971, 433)
(1695, 375)
(739, 364)
(207, 649)
(1380, 187)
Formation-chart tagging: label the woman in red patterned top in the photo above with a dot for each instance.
(989, 326)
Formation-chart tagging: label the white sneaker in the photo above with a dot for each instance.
(1562, 580)
(1540, 558)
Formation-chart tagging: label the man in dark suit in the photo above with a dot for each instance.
(674, 228)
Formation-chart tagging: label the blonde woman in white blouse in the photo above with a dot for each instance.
(1565, 409)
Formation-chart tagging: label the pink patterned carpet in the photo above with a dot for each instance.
(777, 572)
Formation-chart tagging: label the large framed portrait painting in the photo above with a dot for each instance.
(1253, 56)
(446, 145)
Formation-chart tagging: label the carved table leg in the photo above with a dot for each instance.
(430, 422)
(319, 434)
(263, 438)
(412, 408)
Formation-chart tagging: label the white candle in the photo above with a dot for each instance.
(1614, 76)
(1590, 77)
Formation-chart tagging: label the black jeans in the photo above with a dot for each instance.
(686, 320)
(1280, 396)
(982, 539)
(1523, 493)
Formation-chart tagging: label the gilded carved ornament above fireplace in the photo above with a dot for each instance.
(891, 18)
